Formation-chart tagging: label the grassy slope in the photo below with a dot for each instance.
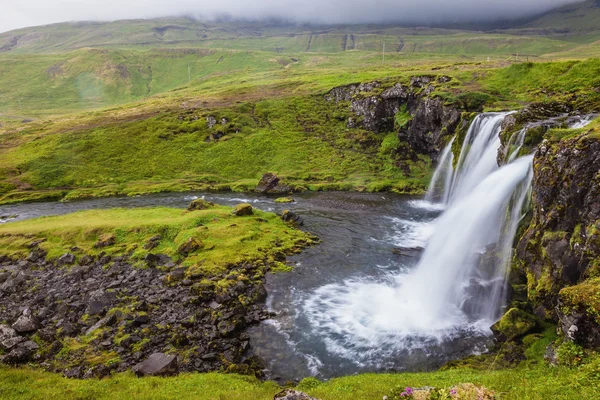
(158, 145)
(532, 380)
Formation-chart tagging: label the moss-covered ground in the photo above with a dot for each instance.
(222, 238)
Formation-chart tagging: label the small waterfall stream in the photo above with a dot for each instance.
(457, 289)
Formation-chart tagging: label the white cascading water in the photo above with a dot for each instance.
(442, 178)
(459, 284)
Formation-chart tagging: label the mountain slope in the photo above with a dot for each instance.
(577, 22)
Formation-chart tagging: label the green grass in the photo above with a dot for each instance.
(277, 121)
(225, 239)
(302, 139)
(523, 383)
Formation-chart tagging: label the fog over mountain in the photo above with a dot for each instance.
(22, 13)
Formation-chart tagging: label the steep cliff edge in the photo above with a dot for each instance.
(421, 119)
(559, 253)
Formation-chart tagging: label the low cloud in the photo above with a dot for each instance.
(22, 13)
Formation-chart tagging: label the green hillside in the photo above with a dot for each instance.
(578, 22)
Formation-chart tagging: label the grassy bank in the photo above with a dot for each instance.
(223, 238)
(523, 383)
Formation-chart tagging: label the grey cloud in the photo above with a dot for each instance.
(20, 13)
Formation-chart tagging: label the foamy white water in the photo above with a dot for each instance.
(458, 287)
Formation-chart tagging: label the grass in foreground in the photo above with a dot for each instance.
(527, 382)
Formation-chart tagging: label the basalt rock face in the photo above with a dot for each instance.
(561, 246)
(409, 109)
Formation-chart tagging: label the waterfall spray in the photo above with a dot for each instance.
(459, 284)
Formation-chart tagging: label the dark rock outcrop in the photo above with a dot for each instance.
(158, 364)
(26, 322)
(111, 308)
(271, 183)
(292, 217)
(561, 246)
(424, 119)
(578, 312)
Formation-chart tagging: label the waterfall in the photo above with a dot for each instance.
(458, 286)
(439, 188)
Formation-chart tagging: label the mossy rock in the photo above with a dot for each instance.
(243, 209)
(189, 246)
(285, 200)
(514, 324)
(200, 204)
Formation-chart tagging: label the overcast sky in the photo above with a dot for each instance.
(22, 13)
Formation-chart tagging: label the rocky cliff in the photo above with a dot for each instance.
(559, 253)
(421, 119)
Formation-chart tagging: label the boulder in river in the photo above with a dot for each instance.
(158, 364)
(408, 251)
(292, 217)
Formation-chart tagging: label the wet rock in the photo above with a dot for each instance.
(271, 183)
(290, 394)
(228, 327)
(86, 260)
(26, 322)
(243, 209)
(200, 204)
(267, 182)
(105, 240)
(189, 246)
(292, 217)
(158, 364)
(408, 251)
(66, 259)
(106, 321)
(284, 200)
(513, 325)
(562, 243)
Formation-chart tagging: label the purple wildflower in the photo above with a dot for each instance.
(408, 391)
(453, 392)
